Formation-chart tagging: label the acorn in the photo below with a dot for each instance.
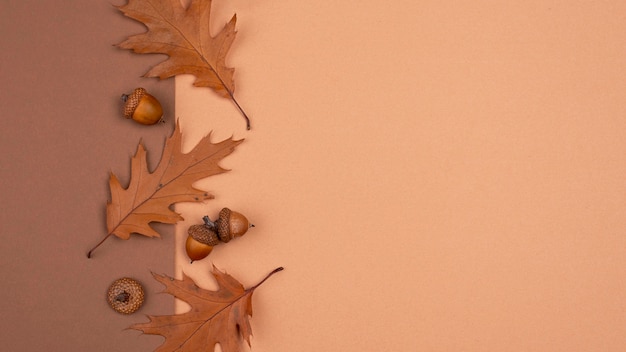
(200, 241)
(202, 238)
(142, 107)
(125, 295)
(231, 224)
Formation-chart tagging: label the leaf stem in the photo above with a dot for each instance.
(266, 277)
(98, 245)
(240, 109)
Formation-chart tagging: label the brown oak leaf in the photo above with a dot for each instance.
(149, 195)
(215, 316)
(183, 34)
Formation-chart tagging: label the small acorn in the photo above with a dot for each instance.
(200, 241)
(142, 107)
(231, 224)
(202, 238)
(125, 295)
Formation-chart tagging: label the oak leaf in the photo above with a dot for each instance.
(149, 195)
(219, 316)
(183, 34)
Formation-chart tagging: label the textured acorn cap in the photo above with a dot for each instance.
(203, 234)
(125, 295)
(223, 225)
(132, 101)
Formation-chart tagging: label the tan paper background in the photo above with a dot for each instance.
(433, 175)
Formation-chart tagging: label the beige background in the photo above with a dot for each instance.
(433, 175)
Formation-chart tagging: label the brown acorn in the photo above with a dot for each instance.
(231, 224)
(125, 295)
(200, 241)
(142, 107)
(202, 238)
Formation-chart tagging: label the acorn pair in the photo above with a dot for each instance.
(203, 237)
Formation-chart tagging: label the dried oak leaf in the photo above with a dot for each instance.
(149, 195)
(183, 35)
(215, 316)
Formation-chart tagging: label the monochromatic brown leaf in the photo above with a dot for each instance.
(183, 35)
(149, 195)
(219, 316)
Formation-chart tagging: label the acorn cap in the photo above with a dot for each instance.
(203, 234)
(223, 225)
(125, 295)
(131, 102)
